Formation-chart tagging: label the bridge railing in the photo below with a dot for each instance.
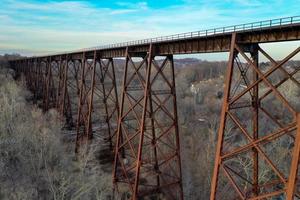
(202, 33)
(209, 32)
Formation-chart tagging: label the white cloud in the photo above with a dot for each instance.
(48, 40)
(67, 25)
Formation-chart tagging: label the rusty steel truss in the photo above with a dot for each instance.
(259, 119)
(99, 108)
(147, 158)
(243, 138)
(83, 91)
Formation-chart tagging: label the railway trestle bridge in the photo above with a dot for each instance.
(142, 124)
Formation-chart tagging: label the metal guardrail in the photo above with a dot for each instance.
(201, 33)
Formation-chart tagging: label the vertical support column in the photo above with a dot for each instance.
(108, 92)
(27, 72)
(155, 150)
(292, 181)
(20, 66)
(18, 69)
(255, 119)
(54, 83)
(119, 150)
(48, 80)
(232, 55)
(35, 80)
(90, 105)
(60, 84)
(25, 65)
(64, 87)
(39, 80)
(177, 138)
(80, 104)
(114, 114)
(72, 91)
(142, 124)
(32, 77)
(156, 166)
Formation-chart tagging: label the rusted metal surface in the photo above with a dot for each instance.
(98, 101)
(292, 180)
(223, 116)
(147, 159)
(107, 110)
(239, 121)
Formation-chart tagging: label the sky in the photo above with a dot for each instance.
(32, 27)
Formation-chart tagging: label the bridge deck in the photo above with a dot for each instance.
(212, 40)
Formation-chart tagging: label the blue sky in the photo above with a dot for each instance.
(36, 27)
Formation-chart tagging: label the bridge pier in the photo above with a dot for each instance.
(61, 89)
(53, 84)
(48, 77)
(44, 80)
(71, 91)
(34, 79)
(86, 88)
(106, 90)
(29, 77)
(249, 90)
(39, 81)
(147, 155)
(98, 102)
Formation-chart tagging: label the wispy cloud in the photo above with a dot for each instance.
(123, 11)
(65, 25)
(137, 5)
